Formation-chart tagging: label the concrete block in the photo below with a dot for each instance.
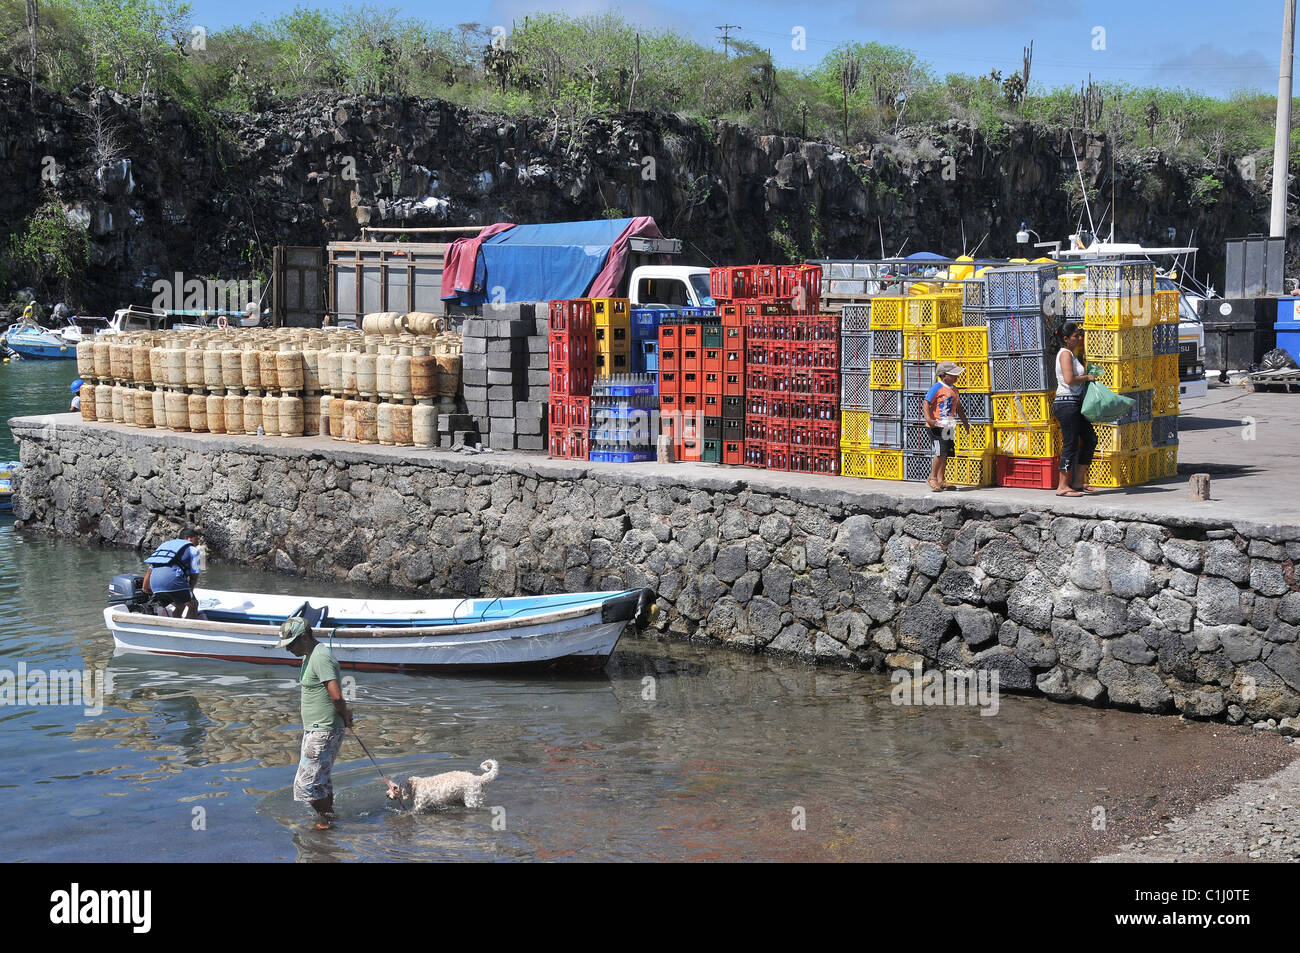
(501, 408)
(539, 377)
(501, 441)
(504, 425)
(474, 361)
(510, 391)
(530, 442)
(540, 394)
(497, 360)
(539, 361)
(528, 425)
(474, 345)
(507, 344)
(473, 377)
(538, 344)
(530, 408)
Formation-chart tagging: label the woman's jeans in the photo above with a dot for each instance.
(1078, 439)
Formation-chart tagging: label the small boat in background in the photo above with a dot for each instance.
(575, 630)
(6, 485)
(32, 341)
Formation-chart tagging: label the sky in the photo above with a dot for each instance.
(1212, 46)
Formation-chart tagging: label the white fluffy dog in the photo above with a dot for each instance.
(450, 787)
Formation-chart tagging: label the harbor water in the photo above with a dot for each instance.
(676, 751)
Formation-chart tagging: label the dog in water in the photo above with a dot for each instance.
(440, 790)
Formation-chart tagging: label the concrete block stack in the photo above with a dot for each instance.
(505, 377)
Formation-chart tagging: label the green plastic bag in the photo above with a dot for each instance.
(1101, 405)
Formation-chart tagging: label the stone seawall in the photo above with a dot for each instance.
(1162, 614)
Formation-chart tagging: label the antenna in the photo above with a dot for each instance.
(1083, 189)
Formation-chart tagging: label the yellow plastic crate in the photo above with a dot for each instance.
(1164, 400)
(961, 344)
(1132, 312)
(1022, 410)
(855, 463)
(1166, 307)
(611, 311)
(973, 438)
(887, 464)
(1118, 469)
(1122, 376)
(931, 311)
(1117, 344)
(886, 374)
(854, 426)
(1164, 369)
(887, 311)
(970, 471)
(918, 346)
(1028, 441)
(975, 376)
(1120, 438)
(1162, 462)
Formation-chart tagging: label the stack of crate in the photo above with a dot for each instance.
(623, 417)
(1131, 338)
(612, 320)
(572, 340)
(889, 357)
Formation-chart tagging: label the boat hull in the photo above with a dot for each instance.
(40, 347)
(582, 637)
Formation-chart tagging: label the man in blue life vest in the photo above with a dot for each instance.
(174, 571)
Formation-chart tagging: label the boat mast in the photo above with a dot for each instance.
(1282, 135)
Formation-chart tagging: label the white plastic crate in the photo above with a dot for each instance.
(855, 352)
(1022, 373)
(1016, 333)
(885, 403)
(855, 389)
(887, 342)
(918, 375)
(855, 318)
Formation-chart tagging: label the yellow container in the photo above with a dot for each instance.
(1164, 400)
(887, 311)
(1119, 438)
(611, 311)
(855, 463)
(970, 471)
(1029, 441)
(1134, 312)
(932, 311)
(1166, 307)
(887, 464)
(1164, 369)
(918, 345)
(1162, 462)
(1022, 410)
(886, 374)
(1122, 376)
(854, 426)
(975, 376)
(1118, 469)
(1117, 344)
(973, 439)
(961, 345)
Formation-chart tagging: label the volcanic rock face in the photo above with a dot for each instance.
(162, 190)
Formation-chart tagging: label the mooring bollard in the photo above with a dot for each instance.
(665, 452)
(1198, 488)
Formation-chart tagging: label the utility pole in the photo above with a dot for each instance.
(33, 27)
(726, 38)
(1282, 135)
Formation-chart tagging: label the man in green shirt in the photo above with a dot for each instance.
(325, 715)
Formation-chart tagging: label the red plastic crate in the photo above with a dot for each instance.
(755, 427)
(753, 320)
(712, 360)
(778, 430)
(800, 460)
(756, 354)
(778, 405)
(692, 359)
(757, 403)
(801, 432)
(826, 408)
(711, 404)
(712, 383)
(573, 315)
(755, 453)
(733, 384)
(572, 380)
(731, 281)
(1033, 473)
(669, 382)
(733, 360)
(803, 285)
(570, 412)
(825, 355)
(776, 456)
(733, 337)
(692, 335)
(826, 435)
(756, 378)
(692, 403)
(775, 307)
(571, 348)
(799, 407)
(670, 403)
(669, 336)
(692, 382)
(689, 449)
(669, 358)
(825, 461)
(730, 314)
(570, 443)
(733, 452)
(826, 383)
(766, 283)
(779, 355)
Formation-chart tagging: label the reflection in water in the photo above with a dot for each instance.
(677, 751)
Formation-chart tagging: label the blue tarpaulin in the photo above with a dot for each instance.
(542, 262)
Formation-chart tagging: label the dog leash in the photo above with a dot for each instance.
(377, 767)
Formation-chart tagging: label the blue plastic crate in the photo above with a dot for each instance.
(649, 356)
(605, 387)
(646, 321)
(1012, 332)
(621, 456)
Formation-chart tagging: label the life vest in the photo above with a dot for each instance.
(170, 553)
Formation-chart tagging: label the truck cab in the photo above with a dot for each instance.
(669, 286)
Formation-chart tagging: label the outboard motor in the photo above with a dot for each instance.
(127, 590)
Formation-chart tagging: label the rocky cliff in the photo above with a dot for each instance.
(163, 191)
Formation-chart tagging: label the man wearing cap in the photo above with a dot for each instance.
(76, 395)
(325, 715)
(942, 409)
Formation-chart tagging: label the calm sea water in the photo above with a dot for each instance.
(32, 387)
(676, 751)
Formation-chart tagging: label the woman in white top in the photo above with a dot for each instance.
(1078, 439)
